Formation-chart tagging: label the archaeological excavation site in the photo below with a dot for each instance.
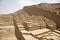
(36, 22)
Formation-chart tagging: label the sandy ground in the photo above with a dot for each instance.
(8, 33)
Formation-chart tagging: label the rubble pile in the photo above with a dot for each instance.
(38, 22)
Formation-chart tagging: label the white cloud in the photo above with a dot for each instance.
(23, 3)
(2, 3)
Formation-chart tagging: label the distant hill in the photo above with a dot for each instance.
(50, 11)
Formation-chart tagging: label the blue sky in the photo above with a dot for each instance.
(10, 6)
